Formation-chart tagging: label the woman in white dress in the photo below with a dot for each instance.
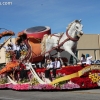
(88, 59)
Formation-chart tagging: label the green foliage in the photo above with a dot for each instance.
(34, 81)
(3, 80)
(23, 81)
(60, 83)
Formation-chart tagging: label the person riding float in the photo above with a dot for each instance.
(49, 67)
(57, 65)
(23, 48)
(9, 50)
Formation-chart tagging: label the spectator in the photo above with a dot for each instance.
(88, 59)
(56, 66)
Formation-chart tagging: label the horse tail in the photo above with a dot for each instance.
(43, 43)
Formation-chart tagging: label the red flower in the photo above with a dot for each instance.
(84, 82)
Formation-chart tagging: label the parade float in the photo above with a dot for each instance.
(41, 43)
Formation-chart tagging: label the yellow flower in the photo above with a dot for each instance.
(23, 52)
(94, 77)
(7, 54)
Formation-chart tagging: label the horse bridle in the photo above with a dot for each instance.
(73, 39)
(69, 37)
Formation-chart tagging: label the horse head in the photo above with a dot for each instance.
(75, 29)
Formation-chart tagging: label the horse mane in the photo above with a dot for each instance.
(69, 25)
(43, 43)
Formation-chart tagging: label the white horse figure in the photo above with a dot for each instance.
(66, 41)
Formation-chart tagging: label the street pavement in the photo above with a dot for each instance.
(93, 94)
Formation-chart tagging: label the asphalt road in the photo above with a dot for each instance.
(93, 94)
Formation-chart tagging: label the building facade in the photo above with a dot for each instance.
(89, 44)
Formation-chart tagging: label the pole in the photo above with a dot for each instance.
(5, 42)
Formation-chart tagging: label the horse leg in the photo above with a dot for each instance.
(74, 51)
(47, 56)
(58, 55)
(70, 51)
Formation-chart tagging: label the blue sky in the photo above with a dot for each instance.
(56, 14)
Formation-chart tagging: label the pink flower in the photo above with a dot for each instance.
(70, 86)
(21, 86)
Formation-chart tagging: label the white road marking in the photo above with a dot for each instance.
(86, 92)
(7, 98)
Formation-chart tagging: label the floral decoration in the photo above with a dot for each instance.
(95, 77)
(87, 80)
